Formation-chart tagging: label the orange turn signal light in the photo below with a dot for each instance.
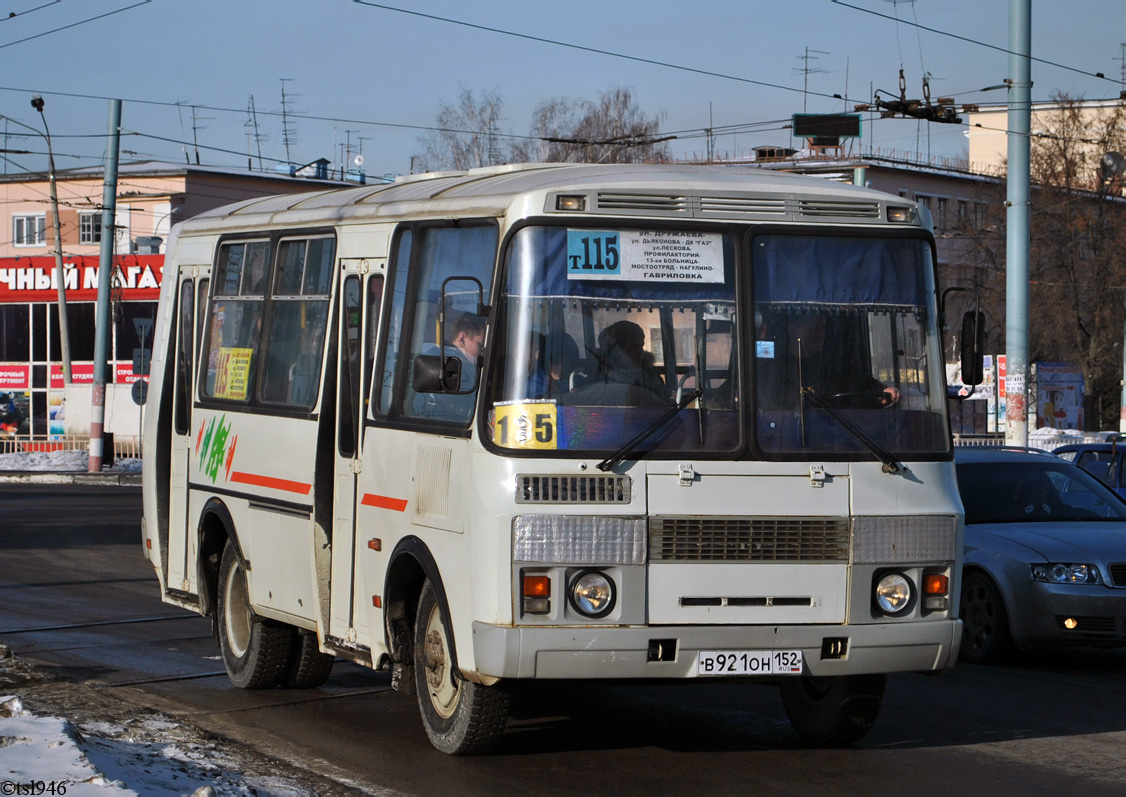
(936, 584)
(537, 587)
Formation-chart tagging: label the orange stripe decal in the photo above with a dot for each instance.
(384, 502)
(271, 482)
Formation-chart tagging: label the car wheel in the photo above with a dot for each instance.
(985, 625)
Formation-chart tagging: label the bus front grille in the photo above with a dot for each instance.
(566, 489)
(748, 539)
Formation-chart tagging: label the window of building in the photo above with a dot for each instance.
(940, 213)
(89, 228)
(15, 332)
(29, 230)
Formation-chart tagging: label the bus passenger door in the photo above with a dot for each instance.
(176, 554)
(348, 620)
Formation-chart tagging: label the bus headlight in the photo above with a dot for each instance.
(893, 593)
(593, 593)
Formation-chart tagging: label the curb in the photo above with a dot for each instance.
(101, 479)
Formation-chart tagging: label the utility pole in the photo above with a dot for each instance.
(105, 274)
(1017, 222)
(60, 276)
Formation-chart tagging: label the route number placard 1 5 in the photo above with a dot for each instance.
(526, 424)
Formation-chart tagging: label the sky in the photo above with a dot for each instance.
(374, 74)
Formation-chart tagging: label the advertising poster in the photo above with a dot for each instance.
(1059, 395)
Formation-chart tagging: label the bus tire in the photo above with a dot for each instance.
(255, 651)
(832, 711)
(460, 717)
(307, 668)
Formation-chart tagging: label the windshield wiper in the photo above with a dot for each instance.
(890, 464)
(623, 453)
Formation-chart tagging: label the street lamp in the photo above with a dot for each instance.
(64, 334)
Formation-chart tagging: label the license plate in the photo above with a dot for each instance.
(749, 662)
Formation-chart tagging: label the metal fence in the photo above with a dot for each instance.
(123, 447)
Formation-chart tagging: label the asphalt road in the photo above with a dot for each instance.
(78, 599)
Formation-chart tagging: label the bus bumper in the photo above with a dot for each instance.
(671, 651)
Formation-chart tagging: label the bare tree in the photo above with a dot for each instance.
(612, 130)
(1077, 258)
(467, 134)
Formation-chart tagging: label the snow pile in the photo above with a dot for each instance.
(147, 755)
(63, 461)
(46, 749)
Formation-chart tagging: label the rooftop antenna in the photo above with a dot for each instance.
(806, 70)
(1122, 59)
(183, 133)
(195, 131)
(289, 132)
(252, 130)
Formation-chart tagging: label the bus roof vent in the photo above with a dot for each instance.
(646, 203)
(741, 206)
(546, 488)
(823, 208)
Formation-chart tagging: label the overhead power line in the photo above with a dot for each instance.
(73, 24)
(970, 41)
(596, 50)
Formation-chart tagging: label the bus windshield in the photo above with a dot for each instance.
(845, 335)
(602, 332)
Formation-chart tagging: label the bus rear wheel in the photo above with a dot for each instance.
(307, 668)
(460, 717)
(833, 711)
(255, 651)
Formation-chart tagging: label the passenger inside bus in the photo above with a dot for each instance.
(552, 358)
(465, 340)
(624, 372)
(802, 351)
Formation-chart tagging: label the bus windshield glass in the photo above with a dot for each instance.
(845, 335)
(603, 331)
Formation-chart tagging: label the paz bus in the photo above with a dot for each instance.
(492, 429)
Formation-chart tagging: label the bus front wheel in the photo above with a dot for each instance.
(255, 651)
(461, 717)
(832, 711)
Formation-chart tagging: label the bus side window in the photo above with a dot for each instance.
(451, 253)
(298, 322)
(375, 299)
(400, 279)
(235, 323)
(185, 357)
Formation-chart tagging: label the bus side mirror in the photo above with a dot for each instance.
(973, 348)
(435, 374)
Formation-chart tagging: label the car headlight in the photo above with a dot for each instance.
(592, 593)
(893, 593)
(1065, 573)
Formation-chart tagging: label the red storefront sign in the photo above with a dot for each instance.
(83, 374)
(34, 279)
(15, 377)
(80, 374)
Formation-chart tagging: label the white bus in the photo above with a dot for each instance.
(544, 422)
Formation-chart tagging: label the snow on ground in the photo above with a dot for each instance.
(144, 755)
(61, 462)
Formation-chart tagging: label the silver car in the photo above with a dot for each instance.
(1045, 554)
